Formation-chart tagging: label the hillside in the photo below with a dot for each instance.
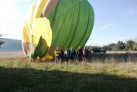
(11, 45)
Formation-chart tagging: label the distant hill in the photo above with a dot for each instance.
(11, 45)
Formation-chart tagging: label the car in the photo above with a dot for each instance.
(98, 50)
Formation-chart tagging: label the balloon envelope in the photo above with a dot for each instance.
(58, 23)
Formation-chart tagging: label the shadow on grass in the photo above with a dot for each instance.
(30, 80)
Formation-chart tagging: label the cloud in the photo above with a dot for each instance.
(107, 26)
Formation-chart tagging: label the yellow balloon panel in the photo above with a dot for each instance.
(35, 27)
(40, 4)
(41, 27)
(27, 25)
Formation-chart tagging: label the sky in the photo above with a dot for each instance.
(115, 20)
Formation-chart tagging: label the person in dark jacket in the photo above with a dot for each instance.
(72, 54)
(79, 54)
(61, 55)
(67, 54)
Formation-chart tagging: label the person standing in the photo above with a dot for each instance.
(67, 54)
(57, 55)
(61, 55)
(72, 54)
(85, 54)
(79, 54)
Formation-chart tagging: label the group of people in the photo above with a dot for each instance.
(71, 54)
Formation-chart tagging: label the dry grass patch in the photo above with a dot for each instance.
(22, 75)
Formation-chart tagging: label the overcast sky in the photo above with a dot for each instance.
(114, 20)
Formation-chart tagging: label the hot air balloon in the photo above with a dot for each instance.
(56, 23)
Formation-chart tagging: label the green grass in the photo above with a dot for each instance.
(21, 75)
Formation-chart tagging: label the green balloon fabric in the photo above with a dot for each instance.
(41, 48)
(71, 22)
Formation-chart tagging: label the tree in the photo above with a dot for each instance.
(135, 47)
(110, 47)
(120, 45)
(1, 42)
(130, 45)
(105, 48)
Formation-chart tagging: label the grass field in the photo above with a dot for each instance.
(18, 74)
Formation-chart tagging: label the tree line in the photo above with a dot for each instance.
(1, 42)
(130, 45)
